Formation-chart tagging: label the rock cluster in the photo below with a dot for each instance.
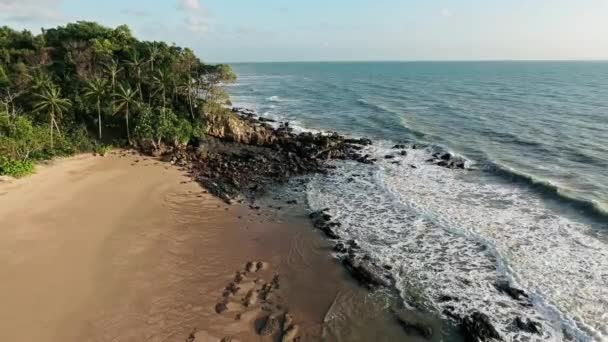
(243, 154)
(447, 160)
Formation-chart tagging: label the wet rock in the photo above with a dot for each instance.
(292, 202)
(403, 153)
(353, 244)
(528, 325)
(271, 326)
(389, 156)
(399, 147)
(459, 165)
(365, 272)
(413, 166)
(322, 221)
(447, 298)
(478, 328)
(515, 293)
(340, 248)
(446, 156)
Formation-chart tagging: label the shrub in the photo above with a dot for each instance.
(102, 149)
(81, 141)
(15, 168)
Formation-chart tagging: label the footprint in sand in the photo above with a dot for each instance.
(248, 297)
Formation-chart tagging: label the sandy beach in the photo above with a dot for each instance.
(126, 248)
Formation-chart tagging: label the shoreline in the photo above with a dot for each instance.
(155, 265)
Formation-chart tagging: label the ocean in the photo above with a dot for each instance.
(531, 208)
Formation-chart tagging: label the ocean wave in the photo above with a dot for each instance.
(445, 236)
(549, 188)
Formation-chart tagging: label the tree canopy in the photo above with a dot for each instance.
(73, 78)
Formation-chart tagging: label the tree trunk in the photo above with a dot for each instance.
(51, 125)
(128, 131)
(190, 102)
(99, 117)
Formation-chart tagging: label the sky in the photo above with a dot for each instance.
(344, 30)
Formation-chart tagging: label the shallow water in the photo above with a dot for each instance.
(531, 210)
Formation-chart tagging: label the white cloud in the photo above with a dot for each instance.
(196, 18)
(190, 5)
(446, 13)
(30, 10)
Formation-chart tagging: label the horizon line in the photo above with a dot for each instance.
(416, 61)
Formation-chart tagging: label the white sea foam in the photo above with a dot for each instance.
(447, 235)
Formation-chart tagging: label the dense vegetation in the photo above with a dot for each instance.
(82, 87)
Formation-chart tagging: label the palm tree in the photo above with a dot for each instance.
(95, 90)
(50, 100)
(40, 80)
(114, 71)
(136, 64)
(154, 55)
(124, 99)
(161, 83)
(188, 88)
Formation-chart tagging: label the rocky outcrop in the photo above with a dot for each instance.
(447, 160)
(366, 272)
(322, 221)
(242, 154)
(478, 328)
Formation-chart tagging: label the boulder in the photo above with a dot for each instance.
(366, 273)
(515, 293)
(478, 328)
(528, 325)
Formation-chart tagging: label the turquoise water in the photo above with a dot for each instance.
(532, 209)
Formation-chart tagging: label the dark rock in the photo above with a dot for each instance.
(413, 166)
(292, 202)
(446, 156)
(353, 244)
(443, 163)
(447, 298)
(399, 147)
(340, 248)
(515, 293)
(528, 325)
(403, 153)
(459, 165)
(478, 328)
(365, 272)
(389, 156)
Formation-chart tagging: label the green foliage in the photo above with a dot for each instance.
(58, 87)
(16, 168)
(102, 149)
